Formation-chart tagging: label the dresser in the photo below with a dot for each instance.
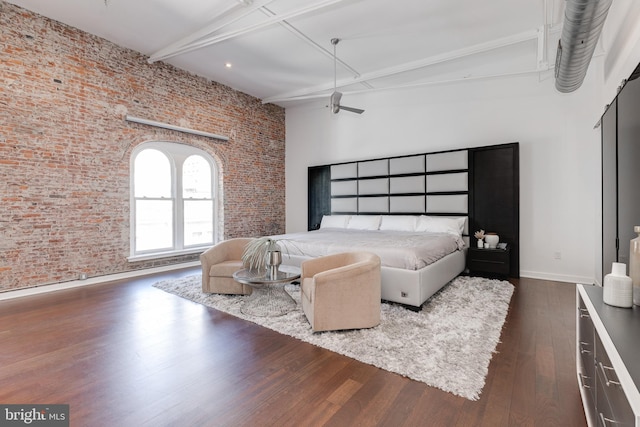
(607, 359)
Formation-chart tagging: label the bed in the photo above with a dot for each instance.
(419, 253)
(480, 184)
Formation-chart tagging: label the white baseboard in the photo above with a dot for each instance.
(41, 289)
(557, 277)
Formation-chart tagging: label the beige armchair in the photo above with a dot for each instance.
(218, 265)
(341, 291)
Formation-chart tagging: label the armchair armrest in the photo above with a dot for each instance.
(224, 251)
(344, 273)
(313, 266)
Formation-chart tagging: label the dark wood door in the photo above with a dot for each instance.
(609, 189)
(628, 167)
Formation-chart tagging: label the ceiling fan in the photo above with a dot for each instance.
(336, 96)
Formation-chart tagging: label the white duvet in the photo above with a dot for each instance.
(399, 249)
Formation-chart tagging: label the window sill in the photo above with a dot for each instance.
(168, 254)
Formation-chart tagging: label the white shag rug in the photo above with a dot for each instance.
(447, 345)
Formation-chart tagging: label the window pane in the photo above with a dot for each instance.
(152, 174)
(154, 224)
(198, 222)
(196, 178)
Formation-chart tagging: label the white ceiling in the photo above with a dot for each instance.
(281, 49)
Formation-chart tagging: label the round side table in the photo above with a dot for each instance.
(268, 297)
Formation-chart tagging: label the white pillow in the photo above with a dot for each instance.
(334, 221)
(364, 222)
(462, 221)
(441, 224)
(399, 222)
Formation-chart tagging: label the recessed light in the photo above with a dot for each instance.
(227, 64)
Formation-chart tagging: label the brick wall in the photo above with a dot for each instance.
(65, 149)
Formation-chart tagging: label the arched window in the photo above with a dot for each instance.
(198, 201)
(173, 207)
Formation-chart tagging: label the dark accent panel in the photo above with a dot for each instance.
(494, 178)
(319, 195)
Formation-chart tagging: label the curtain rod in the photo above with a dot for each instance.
(176, 128)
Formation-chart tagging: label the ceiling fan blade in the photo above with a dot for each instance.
(353, 110)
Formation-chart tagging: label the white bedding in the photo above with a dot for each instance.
(399, 249)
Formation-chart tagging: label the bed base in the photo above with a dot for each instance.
(411, 288)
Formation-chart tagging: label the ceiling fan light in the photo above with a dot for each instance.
(335, 102)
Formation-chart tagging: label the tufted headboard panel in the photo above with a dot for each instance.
(434, 184)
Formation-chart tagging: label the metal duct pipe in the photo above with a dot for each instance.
(583, 21)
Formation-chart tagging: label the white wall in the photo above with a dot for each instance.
(620, 41)
(559, 154)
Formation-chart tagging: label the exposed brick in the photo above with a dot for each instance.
(65, 149)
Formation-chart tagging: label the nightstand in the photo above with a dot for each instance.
(488, 261)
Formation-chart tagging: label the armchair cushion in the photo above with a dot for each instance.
(225, 268)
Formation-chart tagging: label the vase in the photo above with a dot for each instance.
(274, 259)
(618, 289)
(492, 239)
(634, 265)
(480, 243)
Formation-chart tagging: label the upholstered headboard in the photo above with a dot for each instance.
(418, 184)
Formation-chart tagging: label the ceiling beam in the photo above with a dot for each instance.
(410, 66)
(232, 13)
(228, 16)
(423, 84)
(208, 40)
(314, 45)
(549, 30)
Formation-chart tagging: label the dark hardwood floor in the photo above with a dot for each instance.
(127, 354)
